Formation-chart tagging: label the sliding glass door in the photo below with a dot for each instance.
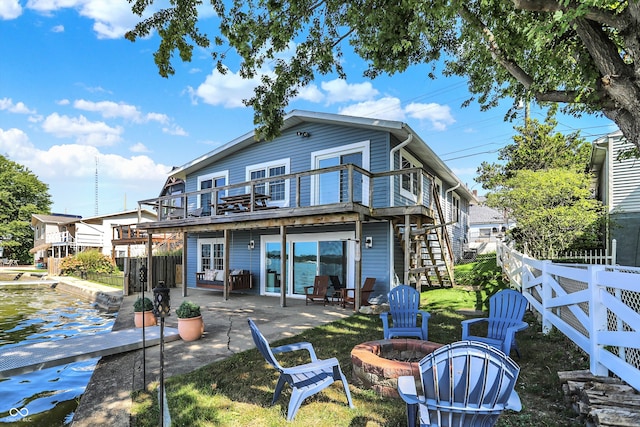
(314, 254)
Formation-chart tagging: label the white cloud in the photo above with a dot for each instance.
(18, 107)
(227, 89)
(338, 90)
(388, 108)
(58, 29)
(110, 110)
(63, 102)
(310, 93)
(84, 131)
(10, 9)
(111, 18)
(439, 115)
(70, 169)
(175, 130)
(139, 148)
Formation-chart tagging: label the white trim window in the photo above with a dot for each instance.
(409, 181)
(210, 254)
(324, 186)
(455, 207)
(212, 180)
(277, 189)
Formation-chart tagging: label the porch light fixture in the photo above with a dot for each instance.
(251, 245)
(303, 134)
(368, 242)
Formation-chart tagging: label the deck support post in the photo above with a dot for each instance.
(283, 266)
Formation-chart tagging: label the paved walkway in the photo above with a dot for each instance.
(107, 399)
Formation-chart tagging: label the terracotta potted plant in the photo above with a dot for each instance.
(190, 324)
(143, 308)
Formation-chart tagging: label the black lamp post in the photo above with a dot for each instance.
(143, 283)
(161, 307)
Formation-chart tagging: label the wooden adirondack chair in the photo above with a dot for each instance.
(404, 308)
(317, 292)
(305, 380)
(349, 294)
(506, 310)
(464, 384)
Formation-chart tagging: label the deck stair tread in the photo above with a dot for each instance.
(25, 358)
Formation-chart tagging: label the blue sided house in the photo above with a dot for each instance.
(347, 197)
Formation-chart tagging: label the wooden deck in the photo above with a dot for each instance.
(25, 358)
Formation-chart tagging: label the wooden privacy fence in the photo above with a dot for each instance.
(596, 306)
(167, 268)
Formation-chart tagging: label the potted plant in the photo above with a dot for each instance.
(143, 308)
(190, 324)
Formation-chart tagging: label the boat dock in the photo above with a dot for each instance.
(25, 358)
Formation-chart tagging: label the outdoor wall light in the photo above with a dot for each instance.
(251, 245)
(303, 134)
(368, 242)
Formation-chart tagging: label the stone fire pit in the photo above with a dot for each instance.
(378, 364)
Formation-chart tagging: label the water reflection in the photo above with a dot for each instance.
(50, 396)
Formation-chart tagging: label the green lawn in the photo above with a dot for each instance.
(238, 390)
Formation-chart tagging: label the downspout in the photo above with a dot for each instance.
(392, 153)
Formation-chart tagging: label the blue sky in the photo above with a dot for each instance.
(76, 96)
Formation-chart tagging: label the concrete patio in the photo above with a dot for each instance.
(107, 399)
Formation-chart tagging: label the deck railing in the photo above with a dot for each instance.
(596, 306)
(345, 184)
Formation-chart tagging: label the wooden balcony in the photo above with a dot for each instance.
(337, 194)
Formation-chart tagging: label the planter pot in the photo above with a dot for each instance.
(149, 318)
(190, 329)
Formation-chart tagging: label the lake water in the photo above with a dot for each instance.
(48, 397)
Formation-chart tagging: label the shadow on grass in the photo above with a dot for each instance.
(238, 391)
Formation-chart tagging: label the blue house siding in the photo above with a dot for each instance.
(332, 139)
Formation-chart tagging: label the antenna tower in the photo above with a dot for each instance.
(96, 186)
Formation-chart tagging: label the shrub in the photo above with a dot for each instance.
(143, 304)
(88, 261)
(187, 310)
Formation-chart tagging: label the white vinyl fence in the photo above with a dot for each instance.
(596, 306)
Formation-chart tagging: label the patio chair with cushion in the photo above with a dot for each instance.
(404, 308)
(506, 310)
(464, 384)
(317, 292)
(305, 380)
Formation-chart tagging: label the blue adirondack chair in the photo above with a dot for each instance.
(464, 384)
(506, 310)
(404, 306)
(305, 380)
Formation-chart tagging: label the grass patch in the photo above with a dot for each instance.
(238, 390)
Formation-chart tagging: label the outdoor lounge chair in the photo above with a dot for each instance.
(464, 384)
(317, 292)
(305, 380)
(506, 310)
(349, 294)
(404, 308)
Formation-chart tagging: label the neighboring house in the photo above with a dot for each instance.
(487, 227)
(336, 191)
(60, 235)
(617, 185)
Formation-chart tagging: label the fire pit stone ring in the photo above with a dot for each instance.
(378, 364)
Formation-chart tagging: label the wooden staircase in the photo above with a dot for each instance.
(430, 250)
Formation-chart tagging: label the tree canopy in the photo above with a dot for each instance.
(21, 194)
(536, 146)
(553, 209)
(583, 54)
